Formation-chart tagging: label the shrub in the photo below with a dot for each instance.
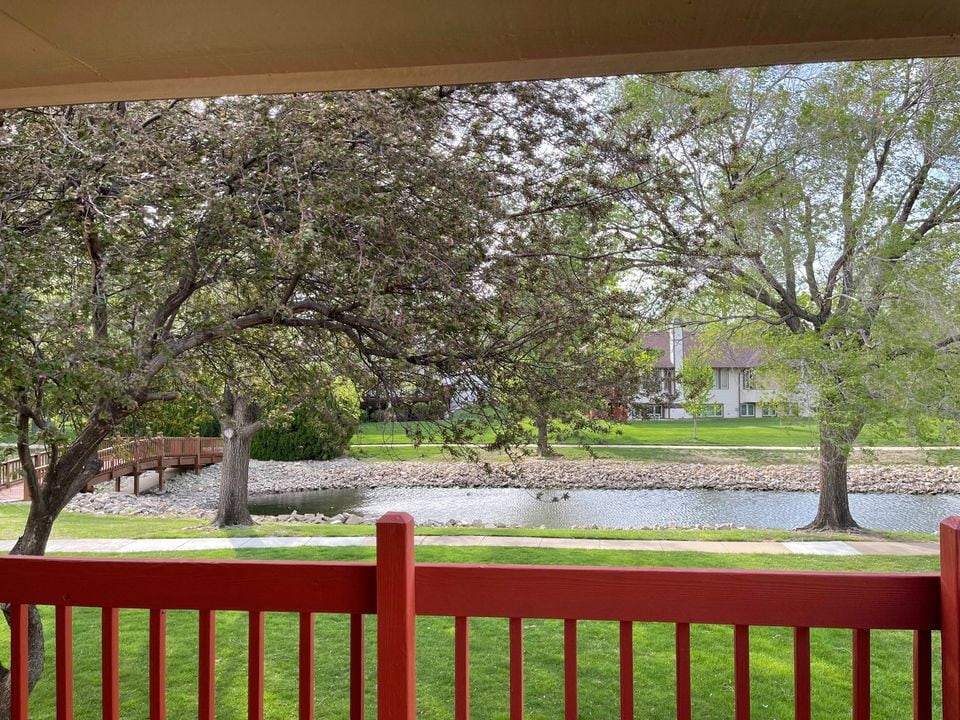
(320, 429)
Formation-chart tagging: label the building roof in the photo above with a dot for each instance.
(56, 52)
(720, 353)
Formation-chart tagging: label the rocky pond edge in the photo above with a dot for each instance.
(192, 495)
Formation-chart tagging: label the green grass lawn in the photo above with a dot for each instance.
(638, 453)
(708, 454)
(85, 525)
(792, 432)
(771, 659)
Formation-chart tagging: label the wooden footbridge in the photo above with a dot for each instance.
(130, 458)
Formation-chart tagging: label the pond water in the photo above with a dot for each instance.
(614, 508)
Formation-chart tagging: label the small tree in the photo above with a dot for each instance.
(696, 381)
(591, 356)
(570, 385)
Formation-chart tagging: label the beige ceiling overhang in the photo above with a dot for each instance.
(72, 51)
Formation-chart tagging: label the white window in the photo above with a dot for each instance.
(721, 378)
(713, 410)
(665, 379)
(769, 411)
(748, 409)
(746, 379)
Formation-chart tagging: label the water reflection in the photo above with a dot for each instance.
(614, 508)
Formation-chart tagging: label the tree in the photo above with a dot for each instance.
(251, 404)
(135, 236)
(571, 386)
(696, 381)
(591, 361)
(820, 205)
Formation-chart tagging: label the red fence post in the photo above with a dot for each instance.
(950, 615)
(396, 619)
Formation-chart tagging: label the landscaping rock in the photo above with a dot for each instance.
(189, 495)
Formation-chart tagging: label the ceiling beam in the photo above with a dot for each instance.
(53, 52)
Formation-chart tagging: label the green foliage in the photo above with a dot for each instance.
(398, 227)
(320, 429)
(696, 381)
(818, 204)
(186, 416)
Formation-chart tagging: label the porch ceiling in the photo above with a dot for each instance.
(55, 52)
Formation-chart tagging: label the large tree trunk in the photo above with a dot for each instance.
(833, 511)
(543, 444)
(240, 422)
(234, 477)
(32, 542)
(77, 465)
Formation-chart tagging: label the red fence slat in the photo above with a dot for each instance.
(461, 669)
(922, 676)
(306, 666)
(110, 658)
(801, 673)
(741, 667)
(950, 616)
(158, 664)
(192, 585)
(516, 669)
(255, 667)
(570, 669)
(683, 671)
(891, 601)
(626, 670)
(357, 668)
(64, 662)
(207, 643)
(19, 662)
(396, 619)
(861, 674)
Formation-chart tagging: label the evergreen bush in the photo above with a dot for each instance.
(320, 429)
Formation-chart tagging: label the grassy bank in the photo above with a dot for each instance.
(791, 432)
(771, 658)
(83, 525)
(705, 455)
(801, 456)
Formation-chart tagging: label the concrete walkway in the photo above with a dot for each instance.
(771, 547)
(11, 493)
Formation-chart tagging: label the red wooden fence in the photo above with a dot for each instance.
(397, 591)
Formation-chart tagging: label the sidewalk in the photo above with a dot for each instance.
(770, 547)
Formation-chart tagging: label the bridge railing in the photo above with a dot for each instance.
(119, 454)
(397, 590)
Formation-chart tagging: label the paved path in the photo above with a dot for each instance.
(11, 493)
(805, 547)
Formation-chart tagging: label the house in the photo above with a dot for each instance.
(737, 391)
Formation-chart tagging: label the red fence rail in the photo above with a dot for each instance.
(129, 457)
(397, 590)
